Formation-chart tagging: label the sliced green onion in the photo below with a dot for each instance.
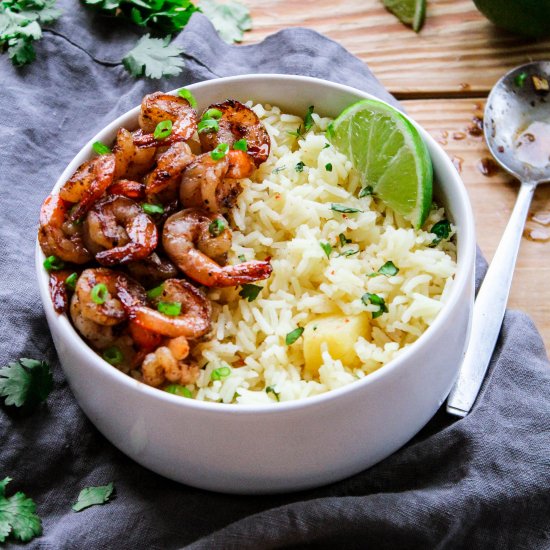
(212, 113)
(152, 208)
(155, 292)
(178, 389)
(299, 167)
(70, 281)
(292, 336)
(344, 209)
(520, 79)
(113, 355)
(99, 293)
(53, 263)
(186, 94)
(327, 248)
(376, 300)
(366, 191)
(207, 126)
(241, 145)
(163, 129)
(271, 389)
(216, 227)
(220, 373)
(169, 308)
(220, 151)
(328, 167)
(100, 148)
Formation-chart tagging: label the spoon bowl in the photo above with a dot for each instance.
(517, 122)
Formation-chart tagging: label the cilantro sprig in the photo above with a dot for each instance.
(20, 22)
(25, 382)
(18, 518)
(90, 496)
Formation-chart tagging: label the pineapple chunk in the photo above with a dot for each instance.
(340, 333)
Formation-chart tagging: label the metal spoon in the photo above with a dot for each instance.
(517, 131)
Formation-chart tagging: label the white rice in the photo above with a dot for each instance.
(285, 214)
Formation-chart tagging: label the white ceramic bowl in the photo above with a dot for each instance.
(293, 445)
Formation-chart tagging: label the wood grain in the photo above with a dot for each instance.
(493, 197)
(457, 53)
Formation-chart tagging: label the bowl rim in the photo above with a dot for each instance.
(463, 275)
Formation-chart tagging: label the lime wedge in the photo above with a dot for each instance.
(389, 154)
(409, 12)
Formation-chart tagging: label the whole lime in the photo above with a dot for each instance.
(527, 17)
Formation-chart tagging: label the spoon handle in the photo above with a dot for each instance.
(489, 308)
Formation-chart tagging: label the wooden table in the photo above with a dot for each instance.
(443, 75)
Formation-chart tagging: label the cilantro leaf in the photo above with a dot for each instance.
(154, 58)
(90, 496)
(308, 119)
(17, 516)
(389, 269)
(441, 230)
(250, 292)
(376, 300)
(271, 389)
(327, 248)
(366, 191)
(231, 19)
(26, 382)
(344, 209)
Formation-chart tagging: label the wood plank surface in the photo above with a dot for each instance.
(493, 197)
(457, 53)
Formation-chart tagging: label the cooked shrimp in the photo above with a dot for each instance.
(238, 122)
(186, 236)
(58, 289)
(193, 320)
(99, 336)
(120, 230)
(152, 270)
(131, 161)
(57, 235)
(100, 303)
(166, 363)
(88, 183)
(169, 168)
(158, 107)
(212, 184)
(127, 188)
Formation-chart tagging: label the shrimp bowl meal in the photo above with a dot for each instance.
(234, 302)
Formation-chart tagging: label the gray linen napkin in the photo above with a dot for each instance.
(482, 482)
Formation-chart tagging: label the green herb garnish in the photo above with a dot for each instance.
(100, 148)
(271, 389)
(99, 293)
(220, 151)
(308, 119)
(207, 126)
(241, 145)
(344, 209)
(292, 336)
(53, 263)
(366, 191)
(154, 58)
(216, 114)
(328, 167)
(389, 269)
(25, 382)
(231, 19)
(216, 227)
(178, 389)
(152, 209)
(520, 79)
(376, 300)
(155, 292)
(18, 518)
(186, 94)
(442, 230)
(242, 257)
(327, 248)
(299, 167)
(70, 281)
(163, 129)
(90, 496)
(250, 292)
(172, 309)
(343, 240)
(349, 252)
(220, 373)
(113, 355)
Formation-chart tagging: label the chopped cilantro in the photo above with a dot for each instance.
(441, 230)
(376, 300)
(18, 517)
(231, 19)
(250, 292)
(271, 389)
(327, 145)
(25, 382)
(327, 248)
(292, 336)
(308, 119)
(349, 252)
(242, 257)
(366, 191)
(343, 240)
(389, 269)
(344, 209)
(154, 58)
(299, 167)
(90, 496)
(328, 167)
